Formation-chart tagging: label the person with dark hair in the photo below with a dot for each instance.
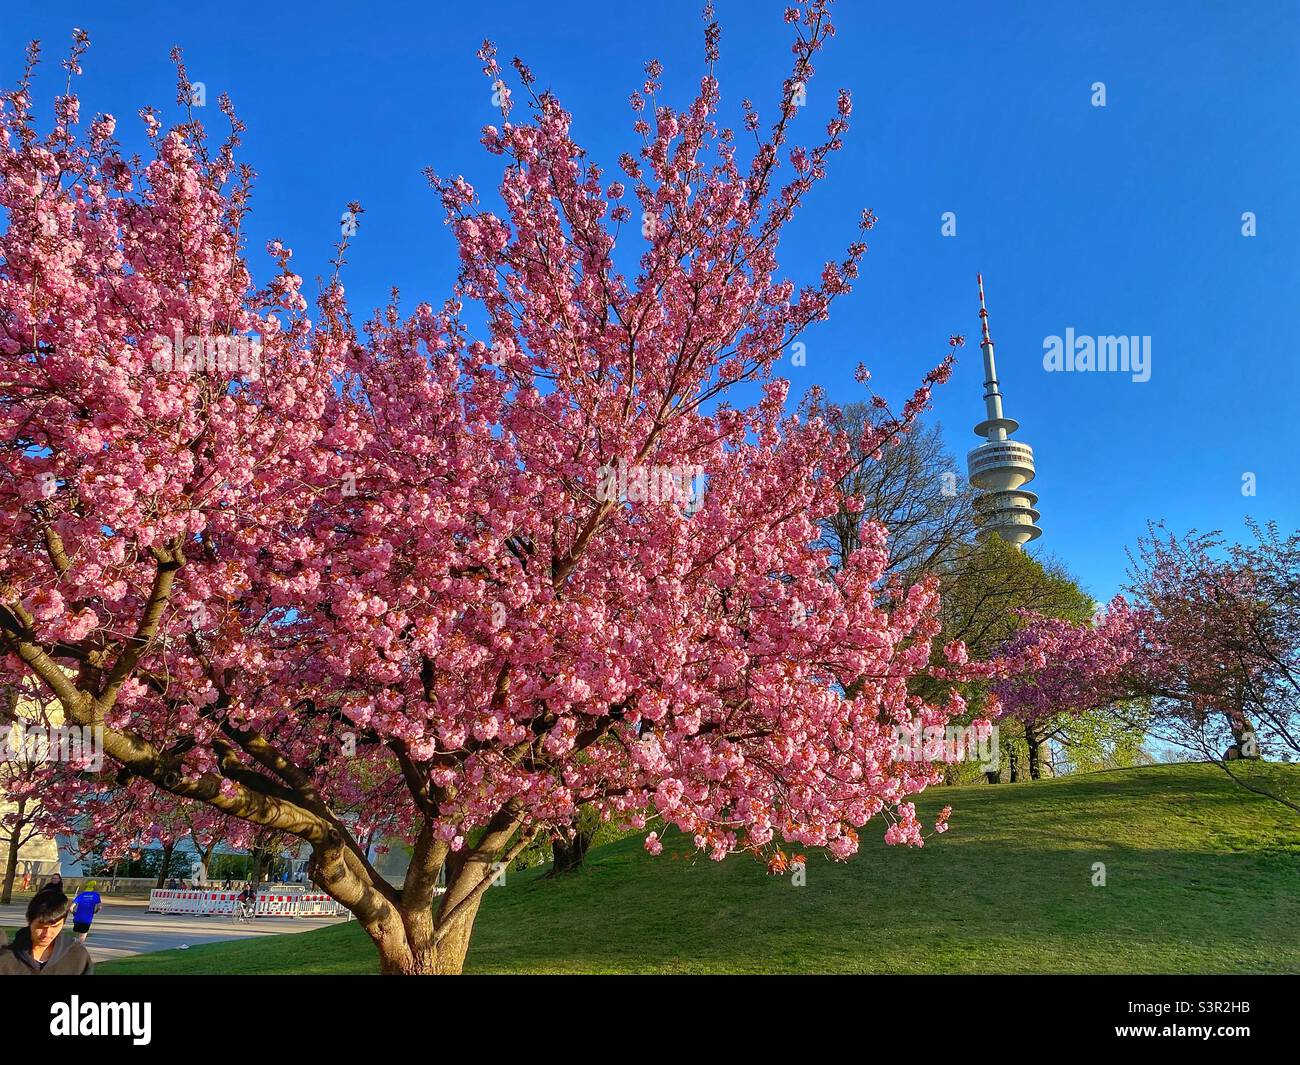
(245, 905)
(40, 949)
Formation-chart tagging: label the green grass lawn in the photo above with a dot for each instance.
(1201, 877)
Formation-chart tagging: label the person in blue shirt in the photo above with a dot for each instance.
(84, 908)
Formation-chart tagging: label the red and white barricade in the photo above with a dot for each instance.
(275, 904)
(221, 902)
(170, 900)
(315, 905)
(269, 903)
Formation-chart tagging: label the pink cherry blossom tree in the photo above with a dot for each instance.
(459, 582)
(1225, 683)
(1065, 668)
(1210, 645)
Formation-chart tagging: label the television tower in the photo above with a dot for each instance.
(1001, 467)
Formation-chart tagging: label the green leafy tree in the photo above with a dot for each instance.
(988, 587)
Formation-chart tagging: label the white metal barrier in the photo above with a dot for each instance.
(268, 904)
(221, 902)
(317, 906)
(275, 905)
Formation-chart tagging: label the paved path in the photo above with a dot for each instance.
(125, 927)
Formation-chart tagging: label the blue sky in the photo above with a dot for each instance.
(1117, 220)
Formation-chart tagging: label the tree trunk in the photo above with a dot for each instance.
(1245, 744)
(416, 931)
(260, 860)
(1013, 764)
(408, 943)
(569, 854)
(433, 940)
(452, 950)
(165, 868)
(398, 958)
(11, 863)
(1039, 766)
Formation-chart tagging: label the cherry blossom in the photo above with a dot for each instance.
(371, 585)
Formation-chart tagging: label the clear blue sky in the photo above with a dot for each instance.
(1117, 220)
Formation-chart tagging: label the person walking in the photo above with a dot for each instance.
(84, 908)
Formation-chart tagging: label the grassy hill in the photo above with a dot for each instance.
(1201, 876)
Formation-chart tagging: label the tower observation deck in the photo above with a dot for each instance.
(1001, 467)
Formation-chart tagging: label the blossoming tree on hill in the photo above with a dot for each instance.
(374, 573)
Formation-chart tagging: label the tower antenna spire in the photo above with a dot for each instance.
(984, 314)
(1001, 467)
